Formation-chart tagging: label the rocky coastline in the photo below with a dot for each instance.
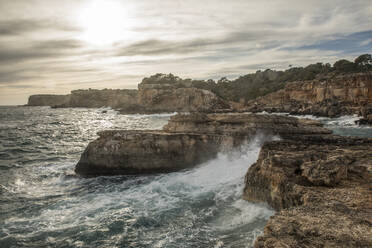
(187, 140)
(152, 96)
(321, 188)
(319, 183)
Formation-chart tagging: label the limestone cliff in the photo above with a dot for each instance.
(48, 100)
(170, 98)
(149, 98)
(341, 95)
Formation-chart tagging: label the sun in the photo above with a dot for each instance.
(103, 22)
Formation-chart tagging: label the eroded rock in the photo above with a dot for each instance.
(142, 152)
(186, 141)
(321, 186)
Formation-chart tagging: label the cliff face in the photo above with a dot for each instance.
(150, 98)
(48, 100)
(342, 95)
(321, 187)
(168, 98)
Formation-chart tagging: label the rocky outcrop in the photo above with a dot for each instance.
(102, 98)
(186, 141)
(48, 100)
(152, 96)
(341, 95)
(142, 152)
(244, 124)
(165, 98)
(321, 186)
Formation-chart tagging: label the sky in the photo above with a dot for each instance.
(54, 46)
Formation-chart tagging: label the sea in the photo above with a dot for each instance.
(44, 204)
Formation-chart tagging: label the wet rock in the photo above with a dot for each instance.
(142, 152)
(186, 141)
(321, 186)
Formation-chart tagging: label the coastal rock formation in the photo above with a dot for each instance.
(341, 95)
(152, 96)
(48, 100)
(186, 141)
(168, 98)
(142, 152)
(102, 98)
(321, 186)
(243, 124)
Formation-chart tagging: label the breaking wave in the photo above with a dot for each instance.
(44, 204)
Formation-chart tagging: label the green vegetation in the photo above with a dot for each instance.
(257, 84)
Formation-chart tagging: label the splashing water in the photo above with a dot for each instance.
(43, 205)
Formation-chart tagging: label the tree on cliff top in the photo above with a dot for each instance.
(260, 83)
(364, 62)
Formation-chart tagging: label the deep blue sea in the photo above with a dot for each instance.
(43, 203)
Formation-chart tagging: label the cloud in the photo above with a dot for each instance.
(41, 45)
(22, 26)
(38, 50)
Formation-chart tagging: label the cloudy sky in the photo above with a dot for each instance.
(54, 46)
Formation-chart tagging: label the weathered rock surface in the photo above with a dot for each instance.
(341, 95)
(160, 98)
(243, 124)
(321, 186)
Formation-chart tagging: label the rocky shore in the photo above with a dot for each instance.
(187, 140)
(319, 183)
(321, 187)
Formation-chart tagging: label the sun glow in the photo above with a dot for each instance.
(103, 22)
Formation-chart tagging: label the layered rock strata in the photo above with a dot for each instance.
(186, 141)
(321, 186)
(332, 97)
